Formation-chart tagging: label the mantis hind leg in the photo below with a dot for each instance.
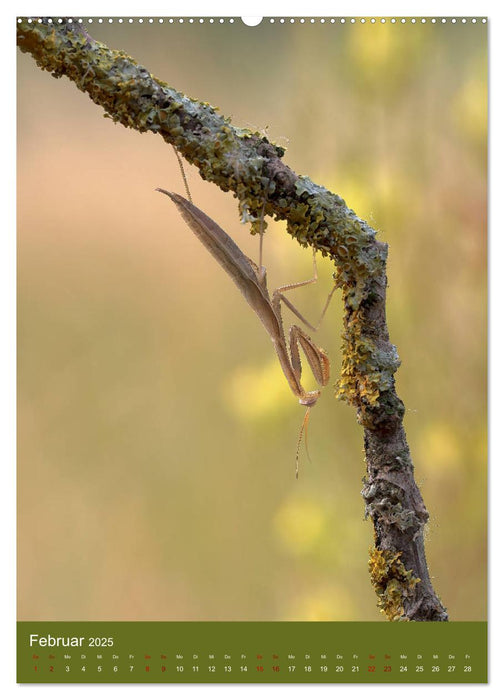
(279, 296)
(182, 172)
(295, 285)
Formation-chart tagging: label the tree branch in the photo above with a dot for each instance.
(247, 164)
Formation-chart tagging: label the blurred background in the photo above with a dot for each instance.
(156, 431)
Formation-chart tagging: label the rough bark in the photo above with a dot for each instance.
(249, 165)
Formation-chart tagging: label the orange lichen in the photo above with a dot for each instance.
(392, 582)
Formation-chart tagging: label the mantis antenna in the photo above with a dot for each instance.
(304, 429)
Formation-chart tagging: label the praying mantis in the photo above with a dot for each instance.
(251, 281)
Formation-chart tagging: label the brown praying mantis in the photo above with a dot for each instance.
(251, 281)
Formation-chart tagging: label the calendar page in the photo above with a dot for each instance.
(252, 346)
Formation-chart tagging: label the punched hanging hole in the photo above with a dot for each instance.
(251, 21)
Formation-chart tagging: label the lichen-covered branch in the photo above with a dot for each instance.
(251, 167)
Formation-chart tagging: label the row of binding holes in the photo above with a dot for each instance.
(273, 20)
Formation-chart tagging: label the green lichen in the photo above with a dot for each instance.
(367, 371)
(392, 582)
(384, 505)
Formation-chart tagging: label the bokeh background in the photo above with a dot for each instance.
(157, 433)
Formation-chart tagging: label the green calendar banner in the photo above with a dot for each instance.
(251, 652)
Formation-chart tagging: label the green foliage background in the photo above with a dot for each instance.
(156, 432)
